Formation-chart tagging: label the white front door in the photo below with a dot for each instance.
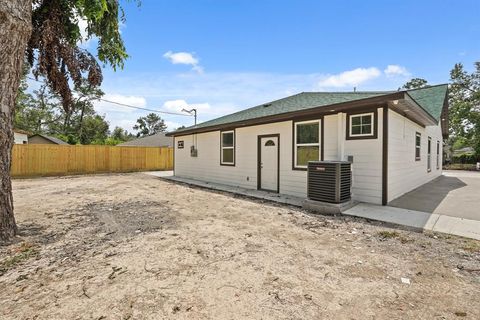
(268, 163)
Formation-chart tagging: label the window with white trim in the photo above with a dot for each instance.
(418, 146)
(438, 155)
(306, 143)
(361, 125)
(227, 152)
(429, 155)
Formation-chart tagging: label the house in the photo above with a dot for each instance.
(44, 139)
(155, 140)
(20, 136)
(394, 140)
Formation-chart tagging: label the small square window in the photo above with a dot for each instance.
(361, 126)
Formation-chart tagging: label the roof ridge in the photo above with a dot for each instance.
(427, 87)
(344, 92)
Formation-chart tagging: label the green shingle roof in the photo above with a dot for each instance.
(430, 98)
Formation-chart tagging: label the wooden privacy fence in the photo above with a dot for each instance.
(54, 160)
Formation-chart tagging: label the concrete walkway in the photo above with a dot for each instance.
(418, 219)
(456, 194)
(259, 194)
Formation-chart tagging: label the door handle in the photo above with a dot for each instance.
(261, 165)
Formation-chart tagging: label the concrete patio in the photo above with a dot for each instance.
(259, 194)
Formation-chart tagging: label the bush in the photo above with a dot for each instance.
(465, 158)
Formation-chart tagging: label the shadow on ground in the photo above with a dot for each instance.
(428, 197)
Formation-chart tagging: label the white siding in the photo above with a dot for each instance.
(404, 172)
(20, 138)
(367, 169)
(367, 164)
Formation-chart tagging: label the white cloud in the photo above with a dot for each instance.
(396, 70)
(350, 78)
(178, 105)
(85, 40)
(186, 58)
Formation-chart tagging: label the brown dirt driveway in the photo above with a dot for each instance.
(132, 246)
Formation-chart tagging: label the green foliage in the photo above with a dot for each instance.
(24, 252)
(95, 130)
(150, 124)
(121, 135)
(53, 49)
(415, 83)
(42, 112)
(465, 158)
(464, 113)
(36, 112)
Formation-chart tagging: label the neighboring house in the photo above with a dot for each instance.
(466, 150)
(44, 139)
(20, 136)
(394, 140)
(155, 140)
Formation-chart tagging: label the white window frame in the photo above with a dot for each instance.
(295, 144)
(419, 147)
(429, 154)
(222, 148)
(372, 124)
(438, 155)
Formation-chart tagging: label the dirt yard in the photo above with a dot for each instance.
(132, 246)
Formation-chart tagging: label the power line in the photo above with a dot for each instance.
(153, 110)
(133, 107)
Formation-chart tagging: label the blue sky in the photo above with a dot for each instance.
(224, 56)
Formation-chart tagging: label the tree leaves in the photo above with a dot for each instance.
(150, 124)
(464, 112)
(53, 49)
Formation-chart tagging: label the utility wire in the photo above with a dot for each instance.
(133, 107)
(153, 110)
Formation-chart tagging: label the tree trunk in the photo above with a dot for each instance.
(15, 28)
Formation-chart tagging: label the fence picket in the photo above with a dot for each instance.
(54, 160)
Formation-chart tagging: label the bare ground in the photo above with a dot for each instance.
(132, 246)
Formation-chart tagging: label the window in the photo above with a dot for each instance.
(361, 125)
(306, 142)
(418, 143)
(429, 155)
(438, 155)
(269, 143)
(227, 148)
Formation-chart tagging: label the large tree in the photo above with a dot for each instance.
(464, 112)
(415, 83)
(47, 33)
(150, 124)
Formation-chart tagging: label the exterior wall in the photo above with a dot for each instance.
(367, 168)
(367, 163)
(20, 138)
(39, 140)
(404, 172)
(206, 166)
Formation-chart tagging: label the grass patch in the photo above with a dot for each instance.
(23, 252)
(471, 246)
(388, 234)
